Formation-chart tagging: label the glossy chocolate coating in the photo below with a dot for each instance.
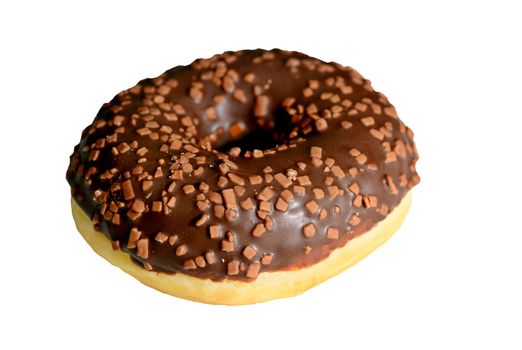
(147, 120)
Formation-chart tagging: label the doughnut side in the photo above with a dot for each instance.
(267, 286)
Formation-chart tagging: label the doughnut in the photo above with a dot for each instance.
(249, 176)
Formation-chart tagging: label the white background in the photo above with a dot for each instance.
(451, 278)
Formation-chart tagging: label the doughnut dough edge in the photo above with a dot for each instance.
(267, 286)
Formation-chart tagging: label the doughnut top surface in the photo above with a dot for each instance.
(246, 162)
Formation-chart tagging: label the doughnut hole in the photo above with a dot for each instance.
(265, 133)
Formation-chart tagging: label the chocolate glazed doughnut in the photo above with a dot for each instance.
(241, 178)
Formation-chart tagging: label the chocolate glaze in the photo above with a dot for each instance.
(141, 113)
